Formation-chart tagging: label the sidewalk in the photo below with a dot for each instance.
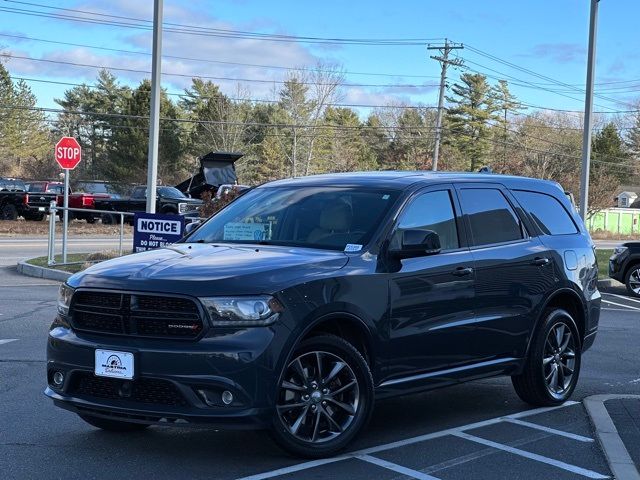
(625, 413)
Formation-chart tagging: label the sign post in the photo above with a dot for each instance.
(68, 155)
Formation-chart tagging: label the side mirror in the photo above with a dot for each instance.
(418, 243)
(190, 227)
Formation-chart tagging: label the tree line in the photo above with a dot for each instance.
(305, 129)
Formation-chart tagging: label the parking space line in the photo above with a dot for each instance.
(407, 441)
(7, 340)
(532, 456)
(623, 297)
(615, 310)
(409, 472)
(562, 433)
(622, 305)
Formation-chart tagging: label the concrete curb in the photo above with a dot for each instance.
(608, 283)
(618, 457)
(42, 272)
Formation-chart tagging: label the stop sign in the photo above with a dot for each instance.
(68, 153)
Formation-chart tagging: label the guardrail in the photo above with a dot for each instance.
(53, 214)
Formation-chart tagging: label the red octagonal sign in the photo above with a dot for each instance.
(68, 153)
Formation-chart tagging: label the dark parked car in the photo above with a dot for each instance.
(169, 201)
(29, 200)
(624, 266)
(304, 300)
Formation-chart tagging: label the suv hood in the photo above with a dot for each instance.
(205, 269)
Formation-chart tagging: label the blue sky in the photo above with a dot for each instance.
(544, 36)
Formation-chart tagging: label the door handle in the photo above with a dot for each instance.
(462, 271)
(540, 261)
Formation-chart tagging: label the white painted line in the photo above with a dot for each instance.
(7, 340)
(401, 443)
(621, 305)
(615, 310)
(532, 456)
(562, 433)
(409, 472)
(623, 297)
(295, 468)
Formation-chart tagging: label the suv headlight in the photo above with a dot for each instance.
(182, 208)
(619, 250)
(64, 299)
(249, 311)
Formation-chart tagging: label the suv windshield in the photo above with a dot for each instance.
(316, 217)
(169, 192)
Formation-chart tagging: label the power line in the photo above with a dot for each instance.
(184, 75)
(205, 60)
(145, 24)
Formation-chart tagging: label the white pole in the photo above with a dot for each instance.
(154, 119)
(65, 215)
(588, 110)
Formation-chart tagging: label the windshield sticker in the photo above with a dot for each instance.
(352, 247)
(245, 231)
(385, 196)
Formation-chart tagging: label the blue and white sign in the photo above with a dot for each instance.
(153, 230)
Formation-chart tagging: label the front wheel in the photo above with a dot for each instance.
(632, 280)
(9, 212)
(325, 398)
(551, 370)
(113, 425)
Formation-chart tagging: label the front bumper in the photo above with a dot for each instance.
(175, 382)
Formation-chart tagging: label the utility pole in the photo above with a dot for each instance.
(444, 61)
(154, 118)
(588, 110)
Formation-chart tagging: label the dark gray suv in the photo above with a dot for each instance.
(304, 300)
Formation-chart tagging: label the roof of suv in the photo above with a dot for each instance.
(402, 179)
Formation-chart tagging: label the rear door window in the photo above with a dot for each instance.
(547, 212)
(491, 217)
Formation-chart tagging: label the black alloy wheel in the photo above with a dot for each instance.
(552, 367)
(325, 397)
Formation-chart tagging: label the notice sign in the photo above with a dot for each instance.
(153, 230)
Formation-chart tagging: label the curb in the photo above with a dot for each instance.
(42, 272)
(608, 283)
(620, 462)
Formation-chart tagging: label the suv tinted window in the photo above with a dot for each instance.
(491, 217)
(548, 213)
(431, 211)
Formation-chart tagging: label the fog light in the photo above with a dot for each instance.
(58, 379)
(227, 397)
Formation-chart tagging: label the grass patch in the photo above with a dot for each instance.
(603, 262)
(85, 260)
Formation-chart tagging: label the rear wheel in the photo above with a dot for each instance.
(632, 280)
(113, 425)
(9, 212)
(325, 398)
(552, 368)
(108, 219)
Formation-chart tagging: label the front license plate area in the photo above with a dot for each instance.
(114, 364)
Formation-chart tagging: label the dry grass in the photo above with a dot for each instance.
(76, 227)
(80, 260)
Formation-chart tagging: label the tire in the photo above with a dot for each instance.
(537, 384)
(108, 219)
(632, 280)
(326, 422)
(9, 212)
(91, 220)
(113, 425)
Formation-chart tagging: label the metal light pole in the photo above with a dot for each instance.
(154, 119)
(588, 110)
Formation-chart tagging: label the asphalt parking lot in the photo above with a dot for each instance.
(478, 430)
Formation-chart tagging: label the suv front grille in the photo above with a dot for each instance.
(136, 315)
(142, 390)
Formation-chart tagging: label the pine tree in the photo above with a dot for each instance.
(467, 119)
(609, 153)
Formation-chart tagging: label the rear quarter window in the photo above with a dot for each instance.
(547, 212)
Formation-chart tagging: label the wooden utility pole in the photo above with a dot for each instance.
(444, 61)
